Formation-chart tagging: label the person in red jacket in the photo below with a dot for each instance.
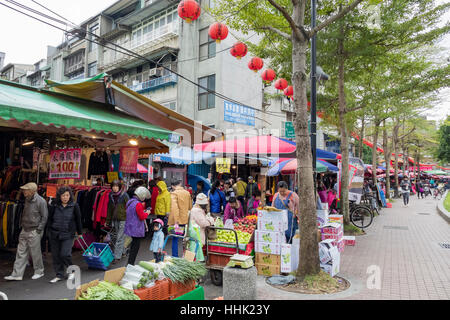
(154, 191)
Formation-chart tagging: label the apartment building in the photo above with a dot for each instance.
(152, 29)
(13, 71)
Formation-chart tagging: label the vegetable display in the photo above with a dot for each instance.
(181, 270)
(107, 291)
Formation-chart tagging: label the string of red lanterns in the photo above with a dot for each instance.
(255, 64)
(268, 76)
(239, 50)
(218, 31)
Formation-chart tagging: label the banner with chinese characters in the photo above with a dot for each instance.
(65, 164)
(223, 165)
(128, 159)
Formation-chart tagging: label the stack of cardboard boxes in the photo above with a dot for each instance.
(269, 238)
(329, 256)
(335, 232)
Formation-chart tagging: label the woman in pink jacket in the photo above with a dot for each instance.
(233, 210)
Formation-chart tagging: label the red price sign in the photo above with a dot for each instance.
(65, 164)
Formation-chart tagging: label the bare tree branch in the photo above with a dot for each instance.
(337, 16)
(288, 17)
(277, 31)
(407, 134)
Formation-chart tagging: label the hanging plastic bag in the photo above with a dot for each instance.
(194, 232)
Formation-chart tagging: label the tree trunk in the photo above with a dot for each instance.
(374, 152)
(343, 129)
(395, 148)
(361, 138)
(387, 159)
(309, 248)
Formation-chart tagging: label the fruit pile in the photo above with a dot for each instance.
(253, 217)
(245, 225)
(229, 236)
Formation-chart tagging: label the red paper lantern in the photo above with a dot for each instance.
(239, 50)
(218, 31)
(281, 84)
(289, 91)
(268, 75)
(189, 10)
(256, 64)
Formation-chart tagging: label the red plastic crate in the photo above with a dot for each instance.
(177, 289)
(160, 291)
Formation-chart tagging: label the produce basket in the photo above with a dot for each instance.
(160, 291)
(227, 248)
(97, 255)
(177, 289)
(197, 294)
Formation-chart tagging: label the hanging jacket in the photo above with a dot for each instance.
(64, 221)
(163, 201)
(135, 223)
(117, 211)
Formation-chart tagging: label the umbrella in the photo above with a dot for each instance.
(289, 166)
(141, 169)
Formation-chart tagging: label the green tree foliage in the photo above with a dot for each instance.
(443, 150)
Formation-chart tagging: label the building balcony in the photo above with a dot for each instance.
(74, 68)
(154, 84)
(142, 45)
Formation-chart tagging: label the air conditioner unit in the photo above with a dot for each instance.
(155, 72)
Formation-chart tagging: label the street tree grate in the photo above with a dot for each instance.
(423, 213)
(445, 245)
(396, 227)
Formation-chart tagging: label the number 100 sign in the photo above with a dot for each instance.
(65, 164)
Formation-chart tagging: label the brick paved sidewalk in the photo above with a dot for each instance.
(412, 264)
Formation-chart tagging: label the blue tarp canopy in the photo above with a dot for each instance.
(183, 156)
(330, 166)
(322, 154)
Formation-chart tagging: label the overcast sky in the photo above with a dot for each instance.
(25, 40)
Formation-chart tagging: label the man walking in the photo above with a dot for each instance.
(179, 211)
(239, 188)
(34, 218)
(406, 188)
(249, 190)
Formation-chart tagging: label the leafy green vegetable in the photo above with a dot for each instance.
(181, 270)
(108, 291)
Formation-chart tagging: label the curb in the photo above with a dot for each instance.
(441, 210)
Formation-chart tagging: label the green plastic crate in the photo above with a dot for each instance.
(196, 294)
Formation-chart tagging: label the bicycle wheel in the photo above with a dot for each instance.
(361, 217)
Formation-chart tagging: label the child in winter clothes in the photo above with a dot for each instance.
(158, 240)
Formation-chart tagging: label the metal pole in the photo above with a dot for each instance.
(313, 86)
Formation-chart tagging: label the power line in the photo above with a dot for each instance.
(128, 52)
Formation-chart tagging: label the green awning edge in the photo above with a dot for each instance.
(52, 83)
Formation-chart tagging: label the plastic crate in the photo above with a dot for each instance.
(177, 289)
(160, 291)
(196, 294)
(218, 260)
(229, 248)
(98, 256)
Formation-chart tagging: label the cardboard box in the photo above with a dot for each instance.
(327, 251)
(270, 225)
(333, 266)
(340, 245)
(350, 240)
(268, 248)
(336, 218)
(264, 258)
(276, 216)
(289, 257)
(324, 206)
(114, 276)
(272, 237)
(322, 217)
(332, 228)
(267, 269)
(337, 237)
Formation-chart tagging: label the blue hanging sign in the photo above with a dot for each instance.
(237, 113)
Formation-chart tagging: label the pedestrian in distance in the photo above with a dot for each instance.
(253, 203)
(157, 244)
(34, 219)
(406, 189)
(135, 225)
(228, 190)
(239, 188)
(252, 186)
(181, 204)
(217, 200)
(64, 219)
(117, 216)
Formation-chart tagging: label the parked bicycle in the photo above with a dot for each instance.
(361, 215)
(438, 193)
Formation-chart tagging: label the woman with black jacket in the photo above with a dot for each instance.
(64, 219)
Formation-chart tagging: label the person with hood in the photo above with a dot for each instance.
(116, 217)
(163, 204)
(135, 225)
(217, 200)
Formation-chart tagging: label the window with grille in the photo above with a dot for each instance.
(207, 100)
(207, 45)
